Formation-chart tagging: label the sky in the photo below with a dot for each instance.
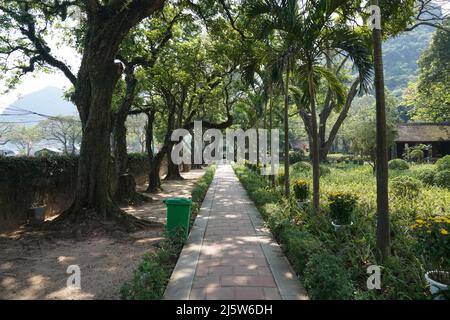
(38, 81)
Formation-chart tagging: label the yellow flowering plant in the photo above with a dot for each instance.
(301, 189)
(433, 240)
(342, 205)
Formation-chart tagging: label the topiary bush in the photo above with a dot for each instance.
(416, 155)
(443, 164)
(301, 167)
(405, 187)
(327, 278)
(427, 176)
(442, 179)
(398, 164)
(296, 156)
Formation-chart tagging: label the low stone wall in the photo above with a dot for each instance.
(27, 182)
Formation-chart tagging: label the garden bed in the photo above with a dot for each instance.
(333, 265)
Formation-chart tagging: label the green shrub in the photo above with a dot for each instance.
(301, 189)
(277, 218)
(327, 278)
(405, 187)
(434, 241)
(402, 279)
(301, 167)
(299, 246)
(265, 195)
(427, 176)
(324, 170)
(150, 279)
(443, 164)
(398, 164)
(296, 156)
(416, 155)
(442, 179)
(341, 206)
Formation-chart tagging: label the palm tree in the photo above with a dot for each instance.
(278, 16)
(263, 67)
(383, 228)
(254, 105)
(307, 34)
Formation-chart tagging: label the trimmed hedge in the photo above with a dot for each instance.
(443, 164)
(398, 164)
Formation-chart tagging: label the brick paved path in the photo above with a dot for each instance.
(229, 255)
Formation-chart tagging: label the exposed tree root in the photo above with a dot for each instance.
(154, 189)
(175, 177)
(137, 199)
(126, 192)
(88, 223)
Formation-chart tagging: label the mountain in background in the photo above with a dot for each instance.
(402, 52)
(400, 57)
(48, 102)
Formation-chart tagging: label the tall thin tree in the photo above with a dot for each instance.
(383, 228)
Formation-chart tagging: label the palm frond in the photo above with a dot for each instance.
(257, 8)
(334, 84)
(356, 45)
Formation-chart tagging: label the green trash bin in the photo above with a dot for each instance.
(178, 215)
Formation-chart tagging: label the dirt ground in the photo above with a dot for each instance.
(37, 269)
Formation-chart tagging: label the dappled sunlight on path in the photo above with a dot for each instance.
(229, 254)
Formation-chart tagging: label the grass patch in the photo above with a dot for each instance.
(152, 275)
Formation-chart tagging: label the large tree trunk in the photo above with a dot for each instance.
(94, 92)
(383, 228)
(173, 170)
(94, 88)
(120, 148)
(154, 181)
(126, 189)
(95, 85)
